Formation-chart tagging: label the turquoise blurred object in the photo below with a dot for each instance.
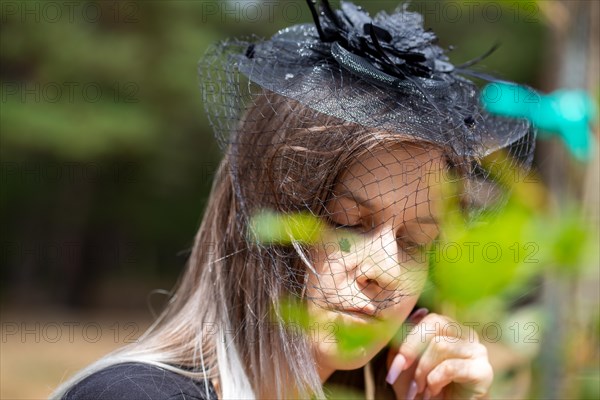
(566, 113)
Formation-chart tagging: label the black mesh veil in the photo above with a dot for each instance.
(353, 120)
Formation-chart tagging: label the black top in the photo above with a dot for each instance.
(133, 381)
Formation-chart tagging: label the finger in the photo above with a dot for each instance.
(397, 362)
(417, 316)
(402, 382)
(442, 348)
(403, 387)
(476, 376)
(395, 369)
(419, 336)
(412, 320)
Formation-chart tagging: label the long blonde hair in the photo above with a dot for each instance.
(218, 323)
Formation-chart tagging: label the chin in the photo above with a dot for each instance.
(331, 356)
(344, 352)
(337, 350)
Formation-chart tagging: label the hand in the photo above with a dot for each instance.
(441, 358)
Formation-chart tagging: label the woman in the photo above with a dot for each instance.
(357, 122)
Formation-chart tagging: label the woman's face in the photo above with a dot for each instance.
(370, 266)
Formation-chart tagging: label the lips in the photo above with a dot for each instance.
(362, 313)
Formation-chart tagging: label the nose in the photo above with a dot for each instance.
(380, 265)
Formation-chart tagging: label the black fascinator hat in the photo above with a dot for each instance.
(385, 72)
(382, 73)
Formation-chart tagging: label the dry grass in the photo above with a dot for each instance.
(40, 351)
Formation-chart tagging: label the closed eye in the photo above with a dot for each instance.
(337, 225)
(410, 245)
(414, 247)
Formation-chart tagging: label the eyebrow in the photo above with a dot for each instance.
(371, 205)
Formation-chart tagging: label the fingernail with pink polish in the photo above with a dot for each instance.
(412, 391)
(395, 369)
(426, 395)
(418, 315)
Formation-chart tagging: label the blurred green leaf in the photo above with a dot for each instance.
(270, 227)
(500, 252)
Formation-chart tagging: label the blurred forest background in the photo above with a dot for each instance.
(107, 157)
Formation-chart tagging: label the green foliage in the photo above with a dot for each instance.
(499, 253)
(270, 227)
(103, 141)
(570, 242)
(342, 392)
(80, 131)
(488, 253)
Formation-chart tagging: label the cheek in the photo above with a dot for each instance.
(333, 258)
(398, 313)
(414, 279)
(339, 245)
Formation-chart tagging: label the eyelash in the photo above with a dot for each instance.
(417, 247)
(412, 245)
(342, 226)
(408, 244)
